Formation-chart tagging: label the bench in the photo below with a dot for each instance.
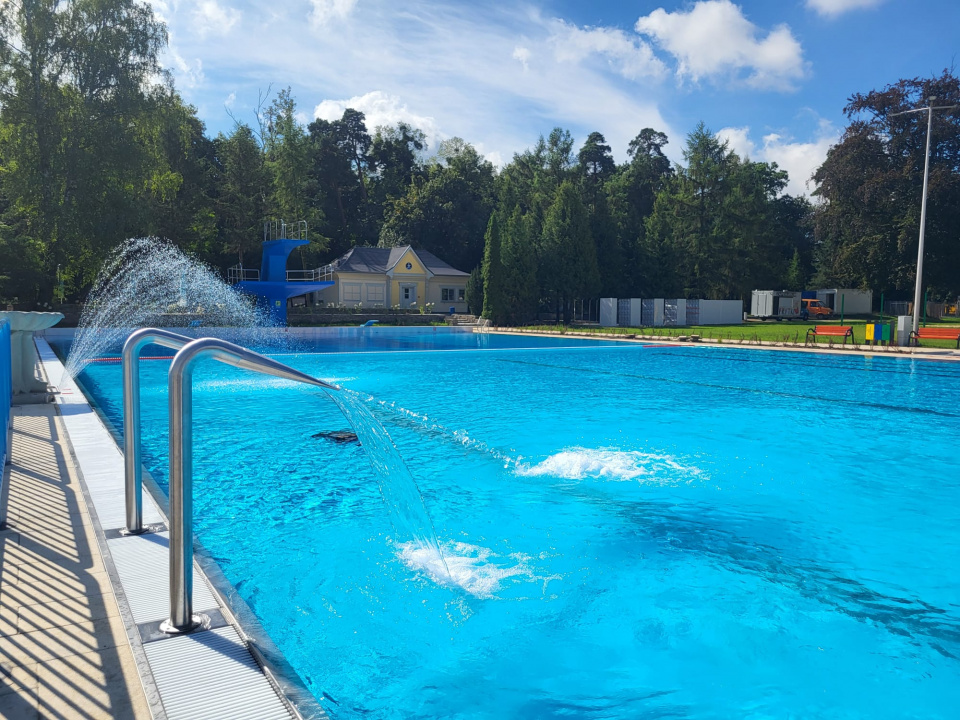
(936, 333)
(844, 331)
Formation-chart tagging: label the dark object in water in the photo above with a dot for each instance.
(339, 436)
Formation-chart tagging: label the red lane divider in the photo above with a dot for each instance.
(148, 357)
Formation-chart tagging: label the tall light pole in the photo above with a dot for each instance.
(918, 292)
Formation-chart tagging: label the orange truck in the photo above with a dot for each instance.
(814, 308)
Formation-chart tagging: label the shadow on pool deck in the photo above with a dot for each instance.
(63, 648)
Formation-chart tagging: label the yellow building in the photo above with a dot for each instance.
(391, 277)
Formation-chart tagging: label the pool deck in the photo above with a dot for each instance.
(62, 643)
(80, 604)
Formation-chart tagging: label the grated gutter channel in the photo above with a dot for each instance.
(215, 673)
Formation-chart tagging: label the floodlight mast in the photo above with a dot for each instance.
(918, 291)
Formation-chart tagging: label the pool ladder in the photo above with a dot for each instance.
(180, 380)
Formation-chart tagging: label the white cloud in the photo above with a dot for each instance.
(380, 108)
(629, 57)
(212, 18)
(799, 159)
(523, 55)
(738, 140)
(231, 99)
(325, 11)
(715, 40)
(188, 74)
(833, 8)
(449, 68)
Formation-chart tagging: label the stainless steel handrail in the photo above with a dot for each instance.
(182, 619)
(133, 477)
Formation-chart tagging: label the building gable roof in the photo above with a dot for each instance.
(379, 261)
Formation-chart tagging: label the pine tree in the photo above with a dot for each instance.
(795, 279)
(475, 291)
(519, 260)
(494, 307)
(568, 267)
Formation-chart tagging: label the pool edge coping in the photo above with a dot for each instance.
(908, 353)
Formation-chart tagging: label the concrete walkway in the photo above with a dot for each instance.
(63, 648)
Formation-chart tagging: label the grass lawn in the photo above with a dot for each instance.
(749, 332)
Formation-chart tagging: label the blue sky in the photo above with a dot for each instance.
(771, 77)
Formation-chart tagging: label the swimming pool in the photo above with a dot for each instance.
(636, 531)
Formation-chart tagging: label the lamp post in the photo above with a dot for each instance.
(918, 295)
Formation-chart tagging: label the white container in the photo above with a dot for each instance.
(851, 302)
(782, 304)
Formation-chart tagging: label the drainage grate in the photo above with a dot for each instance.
(211, 674)
(143, 563)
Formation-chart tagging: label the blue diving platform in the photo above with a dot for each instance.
(273, 284)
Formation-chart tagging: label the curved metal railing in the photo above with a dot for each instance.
(132, 468)
(182, 619)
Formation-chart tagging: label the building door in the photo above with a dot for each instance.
(408, 295)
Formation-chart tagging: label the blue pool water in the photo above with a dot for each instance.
(655, 532)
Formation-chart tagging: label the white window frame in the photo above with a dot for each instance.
(379, 294)
(352, 292)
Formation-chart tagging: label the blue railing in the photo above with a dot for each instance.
(6, 395)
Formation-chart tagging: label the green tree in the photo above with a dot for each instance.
(494, 301)
(519, 261)
(717, 229)
(795, 278)
(181, 188)
(337, 190)
(447, 211)
(244, 187)
(596, 164)
(75, 98)
(395, 152)
(631, 193)
(475, 291)
(866, 226)
(568, 259)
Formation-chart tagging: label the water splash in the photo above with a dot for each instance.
(397, 485)
(469, 567)
(578, 463)
(150, 283)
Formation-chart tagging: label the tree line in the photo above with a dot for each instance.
(96, 146)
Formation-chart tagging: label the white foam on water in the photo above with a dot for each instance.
(471, 568)
(579, 463)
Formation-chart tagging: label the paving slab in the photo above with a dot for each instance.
(63, 649)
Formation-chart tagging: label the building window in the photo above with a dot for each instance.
(375, 293)
(406, 293)
(351, 292)
(447, 294)
(461, 294)
(409, 266)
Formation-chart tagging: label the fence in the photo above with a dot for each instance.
(935, 310)
(6, 396)
(897, 307)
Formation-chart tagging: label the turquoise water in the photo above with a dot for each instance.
(655, 532)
